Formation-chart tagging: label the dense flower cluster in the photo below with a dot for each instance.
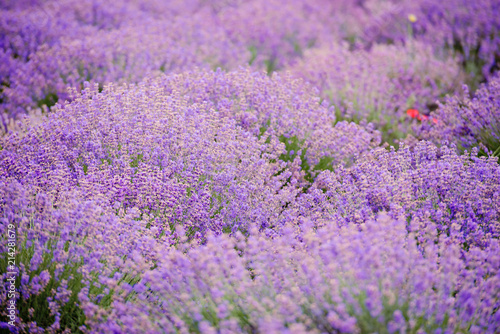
(472, 29)
(136, 147)
(379, 85)
(125, 41)
(327, 280)
(436, 189)
(57, 44)
(115, 55)
(228, 166)
(66, 244)
(281, 107)
(469, 120)
(278, 32)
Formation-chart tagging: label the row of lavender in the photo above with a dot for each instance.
(231, 201)
(372, 60)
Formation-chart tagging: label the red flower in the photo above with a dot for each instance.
(413, 113)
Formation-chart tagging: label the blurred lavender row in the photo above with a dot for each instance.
(253, 166)
(49, 46)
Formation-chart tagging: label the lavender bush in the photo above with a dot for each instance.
(380, 85)
(28, 26)
(61, 44)
(118, 55)
(470, 30)
(282, 108)
(319, 280)
(434, 188)
(134, 146)
(66, 245)
(470, 120)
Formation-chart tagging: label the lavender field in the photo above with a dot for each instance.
(250, 166)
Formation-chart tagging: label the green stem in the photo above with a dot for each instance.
(497, 151)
